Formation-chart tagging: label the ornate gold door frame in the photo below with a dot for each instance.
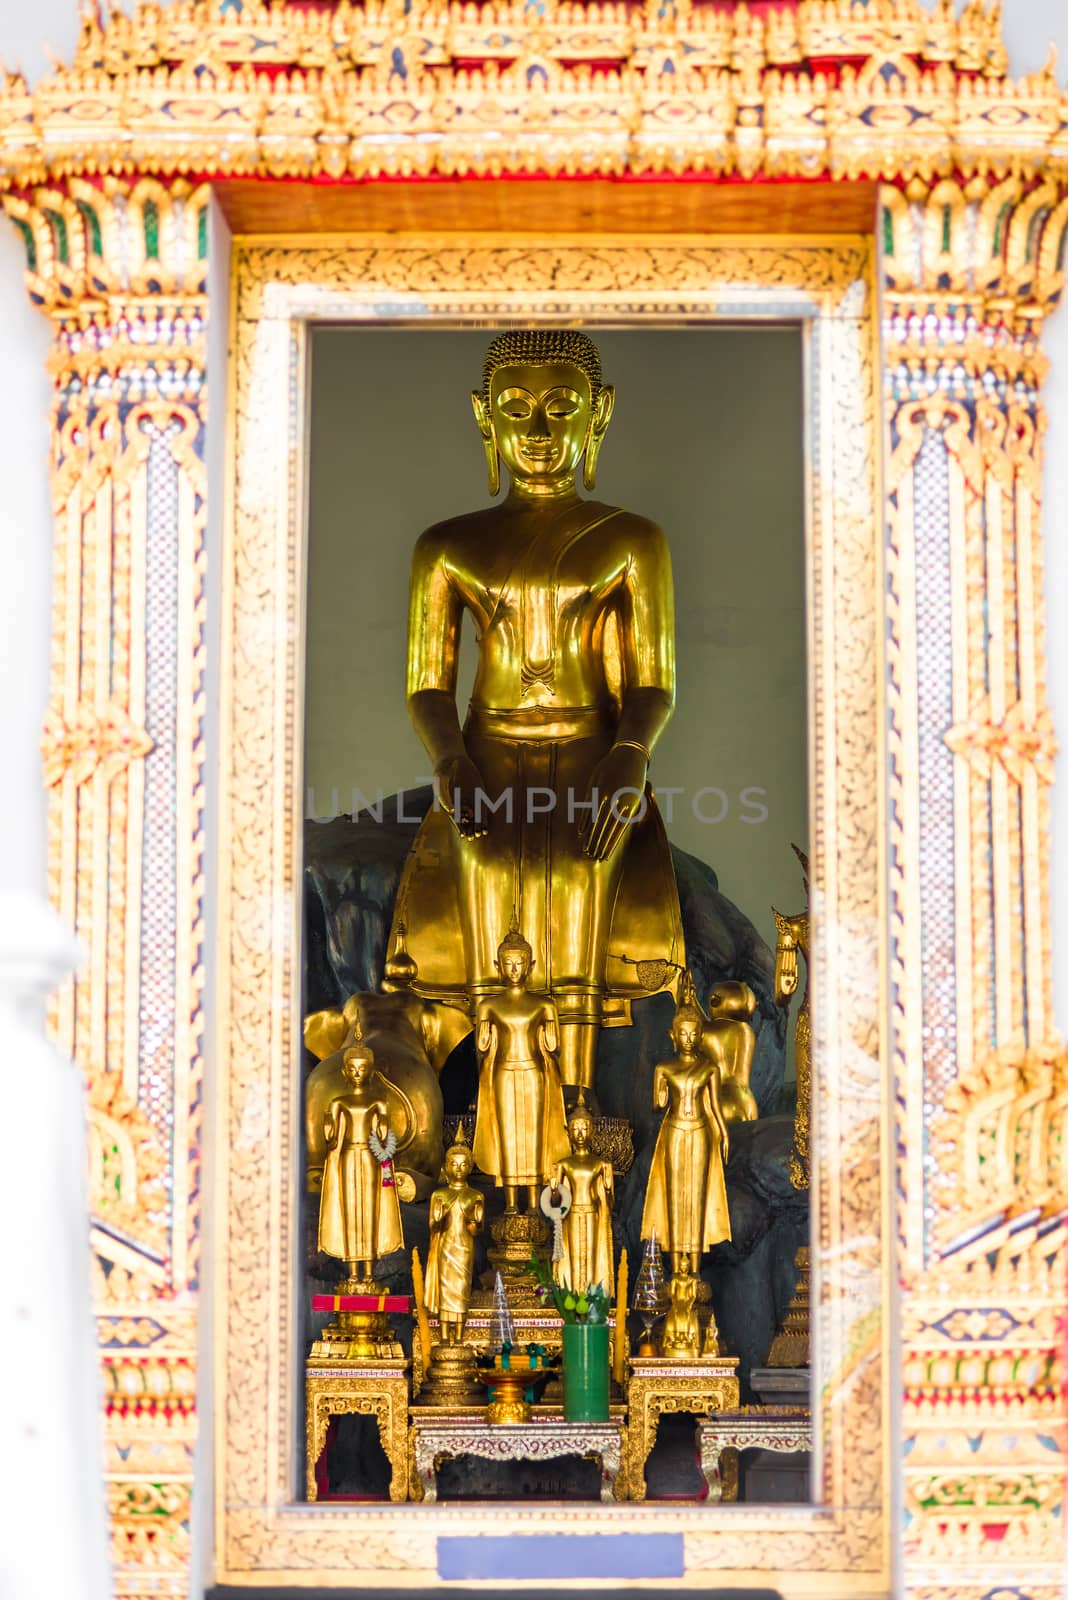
(280, 290)
(725, 116)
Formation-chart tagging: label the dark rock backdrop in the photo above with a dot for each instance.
(352, 870)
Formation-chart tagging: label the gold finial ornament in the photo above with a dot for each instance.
(544, 813)
(400, 970)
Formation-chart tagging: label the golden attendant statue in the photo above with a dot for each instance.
(587, 1229)
(729, 1039)
(359, 1215)
(686, 1199)
(519, 1127)
(682, 1332)
(544, 810)
(455, 1217)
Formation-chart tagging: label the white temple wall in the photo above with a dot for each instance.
(49, 1376)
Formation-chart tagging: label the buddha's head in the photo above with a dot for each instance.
(580, 1130)
(543, 408)
(731, 999)
(357, 1062)
(686, 1029)
(458, 1164)
(514, 958)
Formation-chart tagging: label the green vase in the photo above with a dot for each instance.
(586, 1371)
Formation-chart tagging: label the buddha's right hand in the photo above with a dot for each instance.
(459, 789)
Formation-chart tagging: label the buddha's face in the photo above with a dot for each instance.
(580, 1131)
(542, 417)
(514, 966)
(685, 1034)
(356, 1065)
(457, 1166)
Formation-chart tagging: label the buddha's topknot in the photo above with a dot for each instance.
(534, 346)
(514, 940)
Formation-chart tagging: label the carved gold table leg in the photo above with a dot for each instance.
(377, 1390)
(396, 1447)
(318, 1421)
(610, 1460)
(415, 1486)
(722, 1436)
(644, 1420)
(728, 1474)
(426, 1466)
(710, 1469)
(658, 1385)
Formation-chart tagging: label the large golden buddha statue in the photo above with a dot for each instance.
(544, 814)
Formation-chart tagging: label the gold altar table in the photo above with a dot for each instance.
(659, 1385)
(784, 1429)
(434, 1438)
(377, 1389)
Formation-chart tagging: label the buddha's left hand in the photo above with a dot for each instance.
(618, 780)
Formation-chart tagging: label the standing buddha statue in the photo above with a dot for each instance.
(586, 1230)
(686, 1198)
(455, 1217)
(519, 1125)
(544, 809)
(359, 1213)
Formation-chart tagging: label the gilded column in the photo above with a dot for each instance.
(980, 1077)
(120, 270)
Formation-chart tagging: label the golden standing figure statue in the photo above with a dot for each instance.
(587, 1229)
(359, 1215)
(730, 1040)
(520, 1132)
(455, 1217)
(544, 807)
(686, 1198)
(681, 1337)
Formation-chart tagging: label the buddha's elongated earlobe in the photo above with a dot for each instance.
(489, 442)
(599, 420)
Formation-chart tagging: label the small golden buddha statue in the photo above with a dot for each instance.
(681, 1337)
(686, 1198)
(456, 1212)
(728, 1037)
(587, 1255)
(520, 1132)
(359, 1212)
(543, 807)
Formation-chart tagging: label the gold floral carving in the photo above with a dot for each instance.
(272, 90)
(278, 290)
(972, 269)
